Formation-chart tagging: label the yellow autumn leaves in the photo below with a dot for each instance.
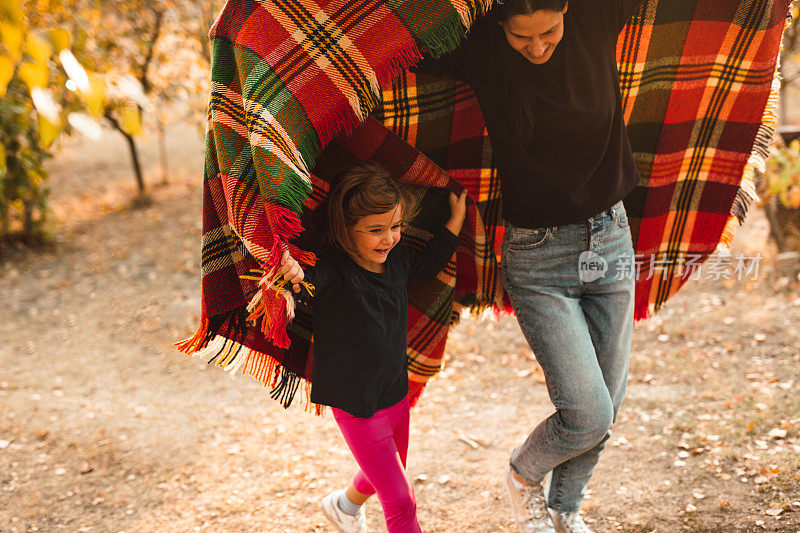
(783, 174)
(42, 59)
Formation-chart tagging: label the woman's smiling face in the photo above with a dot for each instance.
(535, 35)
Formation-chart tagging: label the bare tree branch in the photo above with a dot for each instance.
(144, 80)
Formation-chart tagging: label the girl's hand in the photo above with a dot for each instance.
(458, 209)
(290, 270)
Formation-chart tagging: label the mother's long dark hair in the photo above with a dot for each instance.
(509, 84)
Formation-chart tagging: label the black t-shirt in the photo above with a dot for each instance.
(359, 325)
(579, 162)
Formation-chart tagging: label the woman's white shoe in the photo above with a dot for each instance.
(529, 506)
(569, 522)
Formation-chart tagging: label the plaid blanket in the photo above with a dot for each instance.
(300, 88)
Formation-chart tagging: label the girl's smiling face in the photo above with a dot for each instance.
(373, 237)
(535, 35)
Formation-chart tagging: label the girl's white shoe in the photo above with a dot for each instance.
(344, 522)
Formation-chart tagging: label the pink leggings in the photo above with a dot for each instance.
(380, 445)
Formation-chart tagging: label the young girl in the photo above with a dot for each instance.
(359, 308)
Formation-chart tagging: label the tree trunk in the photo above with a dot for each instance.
(775, 229)
(4, 223)
(27, 220)
(137, 169)
(162, 150)
(784, 225)
(135, 160)
(783, 109)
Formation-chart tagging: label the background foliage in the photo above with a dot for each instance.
(83, 65)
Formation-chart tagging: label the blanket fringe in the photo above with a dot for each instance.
(301, 256)
(211, 327)
(449, 36)
(284, 223)
(466, 13)
(445, 39)
(344, 119)
(273, 304)
(195, 342)
(747, 195)
(295, 189)
(643, 312)
(234, 357)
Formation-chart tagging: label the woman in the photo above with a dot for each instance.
(545, 75)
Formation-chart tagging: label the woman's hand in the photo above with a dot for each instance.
(458, 209)
(291, 271)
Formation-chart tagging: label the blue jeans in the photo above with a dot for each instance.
(572, 289)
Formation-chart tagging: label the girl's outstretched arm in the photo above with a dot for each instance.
(458, 209)
(425, 264)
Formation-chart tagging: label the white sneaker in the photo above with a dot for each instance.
(569, 522)
(344, 522)
(530, 507)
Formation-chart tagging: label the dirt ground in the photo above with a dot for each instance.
(105, 427)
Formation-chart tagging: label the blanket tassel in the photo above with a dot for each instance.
(234, 358)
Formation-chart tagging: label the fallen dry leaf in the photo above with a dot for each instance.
(777, 433)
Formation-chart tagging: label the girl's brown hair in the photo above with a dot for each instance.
(360, 190)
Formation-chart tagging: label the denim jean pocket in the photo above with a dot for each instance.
(620, 215)
(521, 239)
